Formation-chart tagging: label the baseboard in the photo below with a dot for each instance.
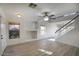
(68, 44)
(23, 42)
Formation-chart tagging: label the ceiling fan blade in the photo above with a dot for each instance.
(65, 15)
(51, 15)
(57, 17)
(53, 18)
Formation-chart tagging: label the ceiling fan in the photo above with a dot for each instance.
(46, 16)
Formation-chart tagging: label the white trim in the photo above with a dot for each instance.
(20, 42)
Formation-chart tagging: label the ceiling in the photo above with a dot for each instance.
(32, 14)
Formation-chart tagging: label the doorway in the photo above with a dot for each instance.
(3, 35)
(0, 39)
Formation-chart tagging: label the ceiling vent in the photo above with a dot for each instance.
(32, 5)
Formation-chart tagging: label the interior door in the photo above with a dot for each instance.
(0, 39)
(3, 36)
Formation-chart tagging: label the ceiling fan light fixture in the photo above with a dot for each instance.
(46, 18)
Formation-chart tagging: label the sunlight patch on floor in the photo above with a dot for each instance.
(45, 51)
(52, 40)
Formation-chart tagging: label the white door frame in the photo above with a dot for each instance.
(0, 39)
(3, 38)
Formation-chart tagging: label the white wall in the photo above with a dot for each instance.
(71, 38)
(25, 34)
(50, 29)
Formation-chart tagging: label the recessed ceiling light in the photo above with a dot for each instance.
(18, 15)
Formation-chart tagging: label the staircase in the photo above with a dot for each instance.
(69, 26)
